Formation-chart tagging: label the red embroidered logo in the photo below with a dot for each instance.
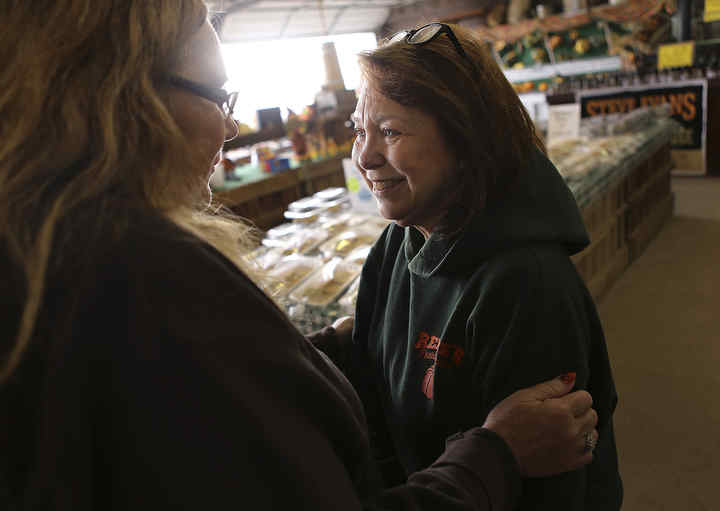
(443, 354)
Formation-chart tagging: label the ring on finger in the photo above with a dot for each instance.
(589, 441)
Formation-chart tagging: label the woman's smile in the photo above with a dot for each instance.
(381, 187)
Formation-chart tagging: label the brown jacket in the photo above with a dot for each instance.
(160, 377)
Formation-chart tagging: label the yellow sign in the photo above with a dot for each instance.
(712, 11)
(353, 184)
(676, 55)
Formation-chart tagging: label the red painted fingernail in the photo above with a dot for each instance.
(568, 377)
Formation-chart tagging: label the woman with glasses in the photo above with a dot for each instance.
(141, 367)
(470, 294)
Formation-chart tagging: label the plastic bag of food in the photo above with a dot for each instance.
(347, 241)
(288, 273)
(325, 285)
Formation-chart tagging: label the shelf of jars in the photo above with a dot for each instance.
(618, 172)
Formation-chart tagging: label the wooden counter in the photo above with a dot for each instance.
(263, 202)
(624, 218)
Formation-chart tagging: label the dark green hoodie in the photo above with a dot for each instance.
(447, 328)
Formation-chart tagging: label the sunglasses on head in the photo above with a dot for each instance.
(429, 32)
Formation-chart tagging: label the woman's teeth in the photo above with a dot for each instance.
(385, 184)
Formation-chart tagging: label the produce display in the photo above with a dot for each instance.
(604, 152)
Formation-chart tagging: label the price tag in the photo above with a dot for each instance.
(676, 55)
(563, 122)
(712, 11)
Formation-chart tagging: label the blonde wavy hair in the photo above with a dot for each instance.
(86, 135)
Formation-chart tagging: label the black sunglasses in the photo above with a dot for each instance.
(427, 33)
(224, 100)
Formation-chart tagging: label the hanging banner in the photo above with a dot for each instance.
(688, 100)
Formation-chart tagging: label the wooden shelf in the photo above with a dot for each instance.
(263, 202)
(254, 138)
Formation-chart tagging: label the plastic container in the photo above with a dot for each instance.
(331, 194)
(359, 255)
(283, 230)
(305, 205)
(302, 242)
(325, 285)
(264, 257)
(289, 272)
(348, 300)
(303, 217)
(347, 241)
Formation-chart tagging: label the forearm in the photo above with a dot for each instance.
(328, 341)
(476, 471)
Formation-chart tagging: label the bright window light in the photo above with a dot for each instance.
(287, 73)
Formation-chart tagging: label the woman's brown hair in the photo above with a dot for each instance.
(86, 136)
(478, 111)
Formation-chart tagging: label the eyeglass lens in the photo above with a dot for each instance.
(229, 104)
(398, 37)
(425, 34)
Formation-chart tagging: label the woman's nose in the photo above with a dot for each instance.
(369, 157)
(231, 128)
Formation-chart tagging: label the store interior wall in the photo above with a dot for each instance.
(402, 18)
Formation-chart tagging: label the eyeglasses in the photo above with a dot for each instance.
(224, 100)
(427, 33)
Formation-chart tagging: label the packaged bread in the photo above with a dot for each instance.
(347, 241)
(358, 256)
(283, 230)
(264, 257)
(289, 272)
(334, 224)
(325, 285)
(348, 301)
(302, 242)
(372, 223)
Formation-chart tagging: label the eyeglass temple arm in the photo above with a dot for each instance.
(457, 44)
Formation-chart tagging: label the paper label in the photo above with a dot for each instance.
(563, 122)
(712, 11)
(676, 55)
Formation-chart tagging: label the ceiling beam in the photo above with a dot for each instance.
(335, 20)
(239, 6)
(307, 7)
(287, 22)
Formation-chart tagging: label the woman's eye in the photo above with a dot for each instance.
(359, 132)
(388, 132)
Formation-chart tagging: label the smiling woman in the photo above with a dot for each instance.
(471, 293)
(403, 157)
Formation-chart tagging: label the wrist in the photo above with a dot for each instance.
(486, 454)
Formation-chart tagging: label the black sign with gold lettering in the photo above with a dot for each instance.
(687, 102)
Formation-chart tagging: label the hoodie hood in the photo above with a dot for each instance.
(538, 208)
